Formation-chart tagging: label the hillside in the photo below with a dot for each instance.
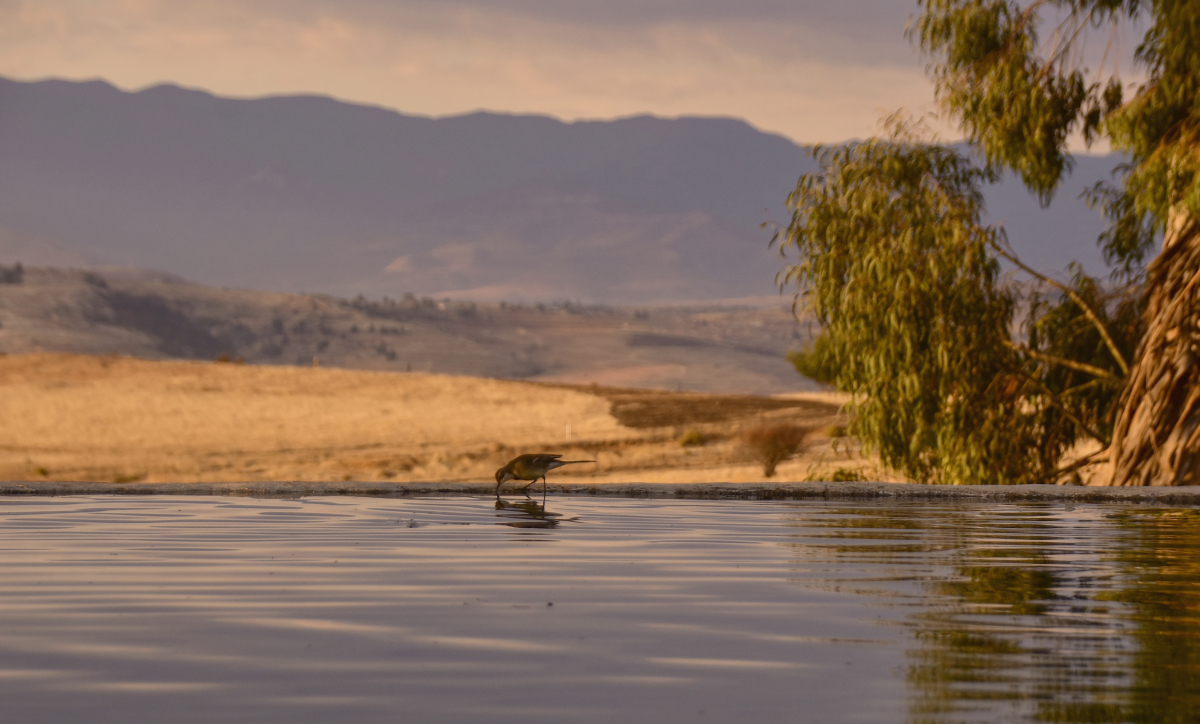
(309, 194)
(157, 316)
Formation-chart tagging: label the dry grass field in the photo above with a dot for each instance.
(114, 419)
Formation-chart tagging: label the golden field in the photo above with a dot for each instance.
(115, 419)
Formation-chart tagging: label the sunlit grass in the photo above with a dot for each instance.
(119, 419)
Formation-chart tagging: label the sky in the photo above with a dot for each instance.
(814, 71)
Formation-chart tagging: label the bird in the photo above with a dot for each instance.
(531, 466)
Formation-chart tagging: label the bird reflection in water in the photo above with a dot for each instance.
(527, 513)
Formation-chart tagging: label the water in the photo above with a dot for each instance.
(183, 609)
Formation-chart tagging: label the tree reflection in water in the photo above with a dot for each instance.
(1063, 633)
(1024, 614)
(1162, 569)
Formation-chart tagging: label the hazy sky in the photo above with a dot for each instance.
(813, 70)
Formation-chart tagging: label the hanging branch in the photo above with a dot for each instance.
(1087, 311)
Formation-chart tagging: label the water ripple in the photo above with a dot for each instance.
(595, 610)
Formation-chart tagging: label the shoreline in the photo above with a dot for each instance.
(694, 491)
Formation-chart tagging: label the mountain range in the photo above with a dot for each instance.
(310, 194)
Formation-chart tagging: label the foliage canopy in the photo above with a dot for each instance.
(1017, 100)
(903, 277)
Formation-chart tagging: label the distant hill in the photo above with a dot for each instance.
(312, 194)
(157, 316)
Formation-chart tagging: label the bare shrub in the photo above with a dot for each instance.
(772, 444)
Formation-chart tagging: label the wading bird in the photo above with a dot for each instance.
(531, 466)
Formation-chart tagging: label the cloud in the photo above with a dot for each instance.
(813, 71)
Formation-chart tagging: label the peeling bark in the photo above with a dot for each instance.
(1156, 439)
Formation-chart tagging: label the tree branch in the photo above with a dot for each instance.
(1087, 311)
(1080, 366)
(1062, 408)
(1082, 462)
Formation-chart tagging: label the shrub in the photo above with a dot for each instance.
(772, 444)
(693, 438)
(815, 361)
(846, 475)
(835, 475)
(14, 274)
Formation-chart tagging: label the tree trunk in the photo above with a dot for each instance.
(1156, 440)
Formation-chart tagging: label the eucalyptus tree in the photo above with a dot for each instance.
(898, 268)
(1018, 101)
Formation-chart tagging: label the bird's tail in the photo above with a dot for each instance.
(568, 462)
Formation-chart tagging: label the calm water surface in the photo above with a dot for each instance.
(129, 609)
